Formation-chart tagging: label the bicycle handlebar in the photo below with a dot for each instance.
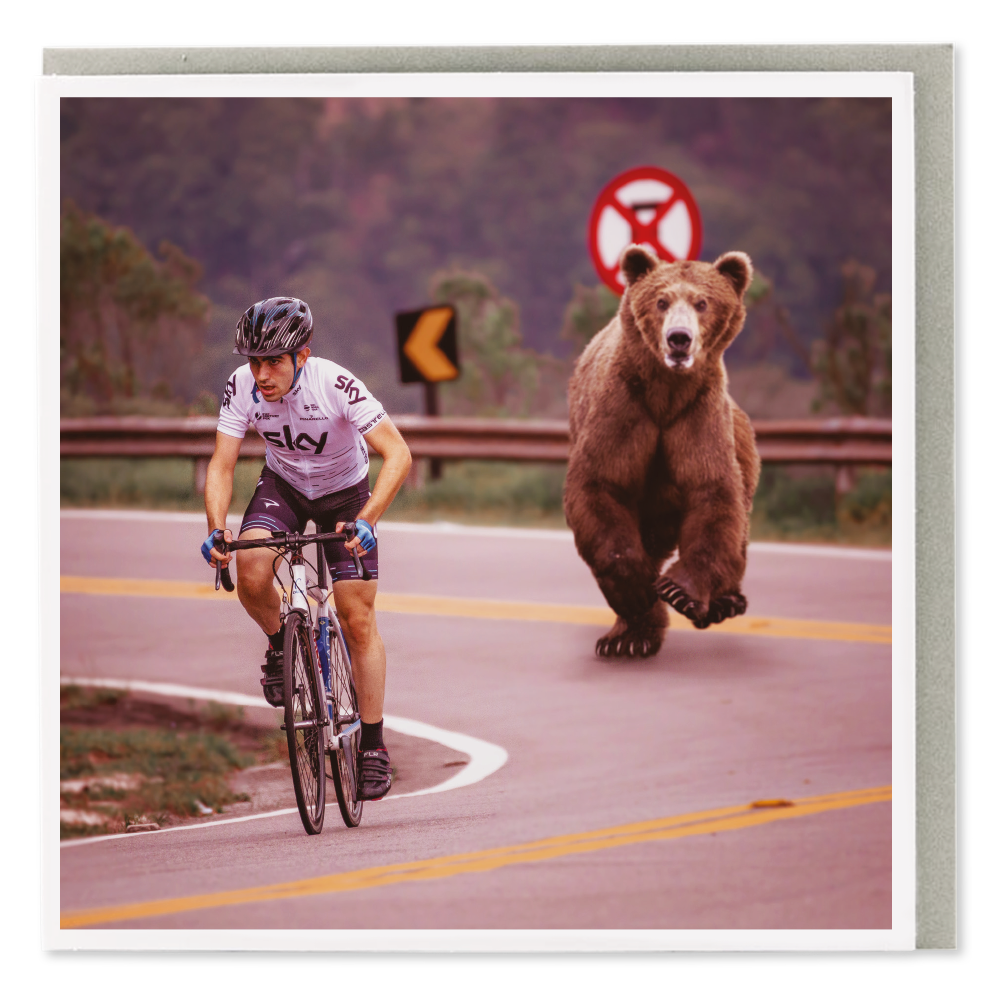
(282, 541)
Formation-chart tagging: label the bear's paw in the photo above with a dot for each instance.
(681, 601)
(726, 606)
(636, 641)
(719, 608)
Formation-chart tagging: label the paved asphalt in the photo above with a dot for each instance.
(713, 721)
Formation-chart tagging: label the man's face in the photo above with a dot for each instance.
(274, 376)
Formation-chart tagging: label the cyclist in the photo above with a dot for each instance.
(319, 422)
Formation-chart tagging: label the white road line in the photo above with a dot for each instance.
(170, 690)
(485, 758)
(79, 841)
(95, 514)
(832, 551)
(477, 530)
(448, 527)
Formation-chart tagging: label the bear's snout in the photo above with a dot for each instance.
(679, 333)
(679, 340)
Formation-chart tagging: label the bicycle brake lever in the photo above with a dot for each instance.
(351, 531)
(358, 564)
(222, 572)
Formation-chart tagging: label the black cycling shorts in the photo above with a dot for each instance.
(278, 506)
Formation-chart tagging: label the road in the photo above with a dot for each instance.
(625, 798)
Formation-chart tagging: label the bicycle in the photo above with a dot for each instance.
(317, 672)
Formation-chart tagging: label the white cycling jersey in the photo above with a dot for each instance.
(313, 433)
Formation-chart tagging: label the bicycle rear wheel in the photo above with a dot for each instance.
(305, 715)
(344, 753)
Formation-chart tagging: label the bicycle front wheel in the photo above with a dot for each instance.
(305, 717)
(347, 735)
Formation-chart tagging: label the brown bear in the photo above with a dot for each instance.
(661, 458)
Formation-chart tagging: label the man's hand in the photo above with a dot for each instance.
(365, 537)
(212, 555)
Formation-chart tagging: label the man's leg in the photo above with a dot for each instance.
(355, 601)
(255, 588)
(255, 583)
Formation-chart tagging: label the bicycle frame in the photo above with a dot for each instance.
(324, 623)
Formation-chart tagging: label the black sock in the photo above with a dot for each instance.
(371, 736)
(277, 640)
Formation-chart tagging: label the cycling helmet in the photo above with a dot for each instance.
(273, 327)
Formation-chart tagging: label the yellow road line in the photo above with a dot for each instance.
(121, 587)
(667, 828)
(463, 607)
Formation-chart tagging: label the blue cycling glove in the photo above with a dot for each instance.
(206, 548)
(366, 535)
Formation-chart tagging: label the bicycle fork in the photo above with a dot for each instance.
(300, 600)
(325, 622)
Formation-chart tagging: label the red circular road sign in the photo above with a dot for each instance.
(649, 206)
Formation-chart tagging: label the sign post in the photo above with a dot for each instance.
(648, 206)
(427, 340)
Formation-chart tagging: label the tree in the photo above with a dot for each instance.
(499, 376)
(588, 312)
(852, 361)
(129, 323)
(354, 203)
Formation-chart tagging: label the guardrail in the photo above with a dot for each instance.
(839, 441)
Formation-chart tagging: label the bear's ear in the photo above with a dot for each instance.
(736, 268)
(636, 261)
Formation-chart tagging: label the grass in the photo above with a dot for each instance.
(74, 698)
(479, 492)
(145, 483)
(114, 774)
(792, 503)
(154, 773)
(508, 493)
(274, 747)
(799, 504)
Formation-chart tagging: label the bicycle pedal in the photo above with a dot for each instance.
(274, 691)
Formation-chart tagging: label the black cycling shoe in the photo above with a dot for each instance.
(273, 681)
(374, 774)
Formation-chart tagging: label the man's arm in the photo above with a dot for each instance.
(386, 441)
(219, 487)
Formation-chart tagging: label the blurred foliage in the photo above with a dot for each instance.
(354, 204)
(72, 696)
(852, 361)
(588, 312)
(792, 503)
(359, 205)
(500, 377)
(797, 500)
(129, 323)
(869, 505)
(766, 391)
(511, 493)
(146, 483)
(800, 504)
